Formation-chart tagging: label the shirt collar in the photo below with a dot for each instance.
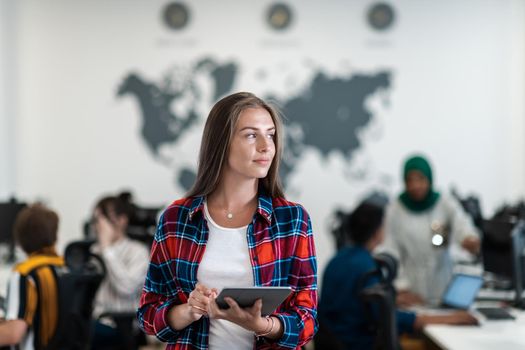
(50, 251)
(197, 205)
(264, 207)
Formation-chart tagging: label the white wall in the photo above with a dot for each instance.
(516, 74)
(3, 112)
(7, 99)
(457, 95)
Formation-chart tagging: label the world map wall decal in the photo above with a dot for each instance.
(327, 115)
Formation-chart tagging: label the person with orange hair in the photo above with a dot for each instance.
(32, 298)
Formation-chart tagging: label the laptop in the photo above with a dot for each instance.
(461, 293)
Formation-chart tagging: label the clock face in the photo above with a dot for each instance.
(381, 16)
(176, 15)
(279, 16)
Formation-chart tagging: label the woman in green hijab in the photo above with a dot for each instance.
(419, 194)
(421, 226)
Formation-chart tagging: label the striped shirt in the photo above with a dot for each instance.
(282, 253)
(33, 297)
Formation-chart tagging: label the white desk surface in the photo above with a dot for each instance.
(495, 334)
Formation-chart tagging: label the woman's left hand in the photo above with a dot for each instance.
(248, 317)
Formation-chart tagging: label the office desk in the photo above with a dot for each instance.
(499, 335)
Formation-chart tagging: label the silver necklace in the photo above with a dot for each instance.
(229, 214)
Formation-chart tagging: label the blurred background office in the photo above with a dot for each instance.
(101, 96)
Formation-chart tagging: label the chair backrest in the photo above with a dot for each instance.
(80, 259)
(387, 266)
(380, 296)
(326, 339)
(380, 300)
(472, 207)
(131, 336)
(78, 283)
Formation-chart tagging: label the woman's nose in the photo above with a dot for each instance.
(264, 144)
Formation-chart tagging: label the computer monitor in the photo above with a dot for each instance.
(8, 212)
(496, 248)
(518, 259)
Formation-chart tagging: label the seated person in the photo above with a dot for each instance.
(32, 299)
(341, 310)
(412, 222)
(126, 263)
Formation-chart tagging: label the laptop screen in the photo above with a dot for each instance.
(462, 291)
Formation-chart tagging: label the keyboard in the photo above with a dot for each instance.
(495, 313)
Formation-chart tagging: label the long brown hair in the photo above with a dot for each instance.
(216, 138)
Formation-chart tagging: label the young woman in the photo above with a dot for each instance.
(126, 262)
(341, 310)
(234, 228)
(412, 222)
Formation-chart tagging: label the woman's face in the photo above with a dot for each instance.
(252, 145)
(102, 223)
(417, 185)
(108, 225)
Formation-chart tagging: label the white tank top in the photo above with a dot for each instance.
(226, 263)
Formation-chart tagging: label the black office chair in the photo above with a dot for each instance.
(380, 300)
(326, 339)
(387, 267)
(385, 324)
(78, 283)
(472, 207)
(131, 335)
(77, 254)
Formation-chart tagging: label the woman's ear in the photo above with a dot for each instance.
(379, 236)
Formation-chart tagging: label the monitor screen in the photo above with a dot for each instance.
(462, 291)
(496, 248)
(8, 213)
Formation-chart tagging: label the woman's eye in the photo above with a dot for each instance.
(251, 136)
(271, 136)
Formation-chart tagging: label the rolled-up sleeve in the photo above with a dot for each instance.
(299, 312)
(405, 321)
(159, 294)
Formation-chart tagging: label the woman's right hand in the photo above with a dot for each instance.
(199, 301)
(181, 316)
(462, 317)
(406, 299)
(454, 318)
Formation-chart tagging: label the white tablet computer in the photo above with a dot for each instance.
(271, 297)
